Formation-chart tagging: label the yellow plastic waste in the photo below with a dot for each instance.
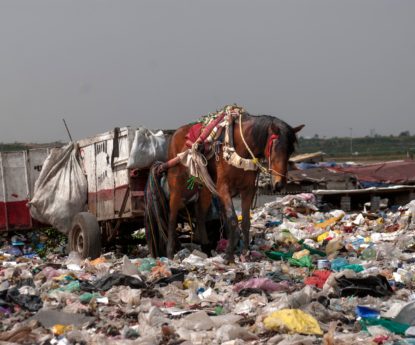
(187, 283)
(301, 253)
(60, 329)
(323, 236)
(328, 222)
(294, 320)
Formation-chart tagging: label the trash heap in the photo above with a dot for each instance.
(310, 278)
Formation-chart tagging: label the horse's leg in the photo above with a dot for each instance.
(202, 207)
(231, 219)
(175, 197)
(246, 201)
(177, 180)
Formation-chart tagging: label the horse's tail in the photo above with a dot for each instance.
(156, 213)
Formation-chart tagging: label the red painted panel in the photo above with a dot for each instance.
(2, 216)
(18, 215)
(106, 195)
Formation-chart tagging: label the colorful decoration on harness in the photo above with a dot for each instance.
(191, 182)
(227, 109)
(270, 143)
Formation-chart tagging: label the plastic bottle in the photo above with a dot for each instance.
(369, 253)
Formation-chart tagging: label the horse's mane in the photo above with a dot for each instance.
(261, 125)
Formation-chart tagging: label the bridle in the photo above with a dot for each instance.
(270, 142)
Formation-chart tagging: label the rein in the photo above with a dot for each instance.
(264, 170)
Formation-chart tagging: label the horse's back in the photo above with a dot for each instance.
(178, 141)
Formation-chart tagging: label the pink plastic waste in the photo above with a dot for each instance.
(50, 272)
(264, 284)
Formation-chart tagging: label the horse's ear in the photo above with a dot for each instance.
(298, 128)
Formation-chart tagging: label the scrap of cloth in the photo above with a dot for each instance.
(194, 132)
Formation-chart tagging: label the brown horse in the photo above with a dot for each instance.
(261, 137)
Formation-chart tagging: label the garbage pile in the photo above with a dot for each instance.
(310, 278)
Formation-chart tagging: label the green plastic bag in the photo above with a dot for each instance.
(312, 250)
(394, 327)
(87, 297)
(71, 287)
(305, 261)
(278, 255)
(354, 267)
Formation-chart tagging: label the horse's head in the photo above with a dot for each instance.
(280, 145)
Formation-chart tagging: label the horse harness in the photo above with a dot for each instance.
(247, 164)
(210, 140)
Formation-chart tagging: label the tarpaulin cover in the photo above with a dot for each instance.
(397, 172)
(319, 174)
(61, 189)
(147, 148)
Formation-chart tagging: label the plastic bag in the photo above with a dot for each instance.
(393, 326)
(376, 286)
(60, 190)
(318, 278)
(115, 279)
(27, 302)
(199, 321)
(263, 284)
(294, 320)
(147, 148)
(366, 312)
(305, 261)
(231, 332)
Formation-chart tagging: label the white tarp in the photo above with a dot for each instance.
(147, 148)
(61, 190)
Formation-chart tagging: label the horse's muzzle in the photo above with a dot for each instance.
(278, 186)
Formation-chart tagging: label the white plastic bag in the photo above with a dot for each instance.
(147, 148)
(61, 189)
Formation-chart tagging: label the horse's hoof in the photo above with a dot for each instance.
(246, 252)
(245, 255)
(229, 260)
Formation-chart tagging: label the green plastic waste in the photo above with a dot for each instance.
(278, 255)
(311, 249)
(71, 287)
(218, 310)
(305, 261)
(354, 267)
(147, 264)
(394, 327)
(87, 297)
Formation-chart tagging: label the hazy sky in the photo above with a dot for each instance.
(333, 65)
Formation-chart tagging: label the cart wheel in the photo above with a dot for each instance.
(85, 236)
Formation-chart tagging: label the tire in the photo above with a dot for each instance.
(85, 236)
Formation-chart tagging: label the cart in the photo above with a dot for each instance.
(115, 193)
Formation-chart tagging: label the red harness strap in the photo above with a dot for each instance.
(269, 144)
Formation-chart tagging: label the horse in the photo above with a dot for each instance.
(254, 138)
